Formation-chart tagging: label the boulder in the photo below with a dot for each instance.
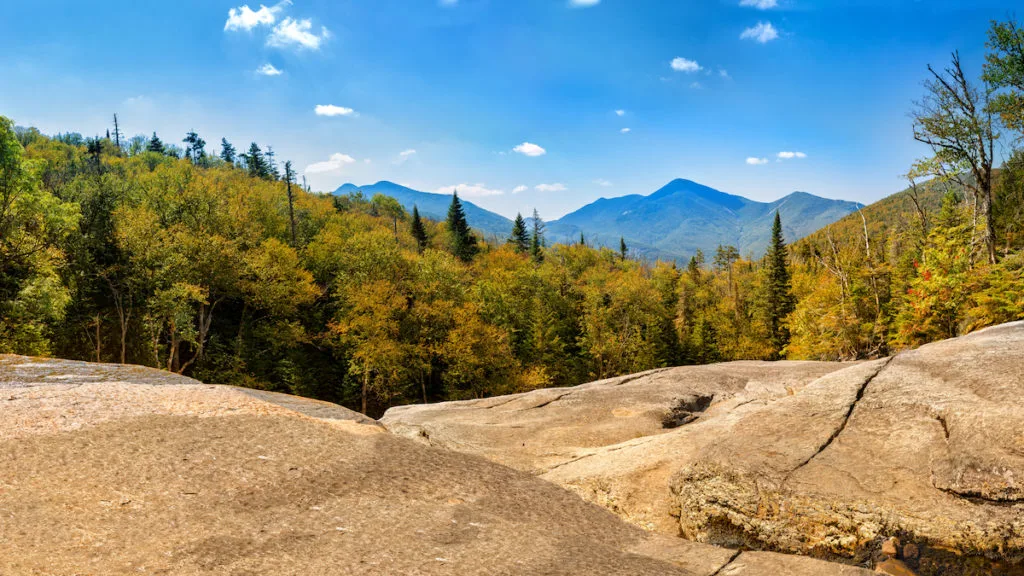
(110, 469)
(825, 460)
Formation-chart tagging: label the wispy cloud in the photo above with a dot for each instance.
(403, 156)
(292, 33)
(756, 161)
(791, 155)
(626, 130)
(268, 70)
(620, 113)
(471, 190)
(722, 72)
(245, 18)
(603, 183)
(332, 110)
(685, 65)
(583, 3)
(336, 162)
(764, 32)
(556, 187)
(519, 189)
(760, 4)
(448, 2)
(529, 149)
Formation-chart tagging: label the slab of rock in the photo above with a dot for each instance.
(100, 475)
(821, 460)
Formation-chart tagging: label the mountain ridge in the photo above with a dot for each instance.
(671, 223)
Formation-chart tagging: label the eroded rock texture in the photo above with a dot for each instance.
(825, 460)
(123, 470)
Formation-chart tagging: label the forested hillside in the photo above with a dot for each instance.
(223, 268)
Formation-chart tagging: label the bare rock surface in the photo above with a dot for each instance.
(819, 460)
(118, 470)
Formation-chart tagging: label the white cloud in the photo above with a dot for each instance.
(724, 73)
(760, 4)
(531, 150)
(336, 162)
(764, 32)
(519, 189)
(791, 155)
(685, 65)
(448, 2)
(244, 18)
(626, 130)
(756, 161)
(696, 85)
(296, 33)
(602, 182)
(620, 113)
(403, 156)
(471, 190)
(332, 110)
(268, 70)
(556, 187)
(583, 3)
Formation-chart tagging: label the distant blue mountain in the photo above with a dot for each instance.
(672, 223)
(435, 206)
(685, 216)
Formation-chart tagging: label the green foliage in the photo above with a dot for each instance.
(418, 230)
(519, 238)
(778, 292)
(462, 242)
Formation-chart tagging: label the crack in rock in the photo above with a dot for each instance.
(727, 563)
(842, 425)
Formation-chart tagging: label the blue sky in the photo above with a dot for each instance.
(468, 93)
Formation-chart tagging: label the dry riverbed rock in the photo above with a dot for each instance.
(124, 470)
(825, 460)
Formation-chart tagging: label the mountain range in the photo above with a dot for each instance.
(672, 223)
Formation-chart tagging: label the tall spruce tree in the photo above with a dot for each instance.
(289, 179)
(155, 145)
(519, 239)
(419, 232)
(779, 300)
(256, 163)
(537, 239)
(623, 250)
(463, 243)
(227, 151)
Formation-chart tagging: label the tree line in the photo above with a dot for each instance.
(223, 267)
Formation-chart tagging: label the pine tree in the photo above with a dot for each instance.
(155, 145)
(196, 148)
(537, 239)
(256, 163)
(779, 300)
(583, 241)
(463, 243)
(419, 232)
(289, 178)
(623, 250)
(227, 151)
(519, 239)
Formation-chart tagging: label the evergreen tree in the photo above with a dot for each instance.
(419, 232)
(155, 145)
(463, 243)
(623, 250)
(779, 301)
(256, 163)
(227, 151)
(537, 239)
(289, 179)
(583, 241)
(272, 171)
(519, 239)
(195, 149)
